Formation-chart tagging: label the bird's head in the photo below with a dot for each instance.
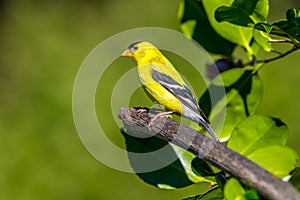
(142, 52)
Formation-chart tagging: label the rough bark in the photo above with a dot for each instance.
(217, 154)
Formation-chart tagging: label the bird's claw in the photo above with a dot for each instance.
(159, 115)
(141, 111)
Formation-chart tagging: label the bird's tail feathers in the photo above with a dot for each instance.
(207, 127)
(201, 120)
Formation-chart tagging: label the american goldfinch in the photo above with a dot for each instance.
(161, 80)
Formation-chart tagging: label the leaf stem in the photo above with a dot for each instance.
(280, 41)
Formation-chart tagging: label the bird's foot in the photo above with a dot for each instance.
(141, 111)
(159, 115)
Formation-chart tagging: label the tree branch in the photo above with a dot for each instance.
(211, 151)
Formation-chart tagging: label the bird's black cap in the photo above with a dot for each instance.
(133, 45)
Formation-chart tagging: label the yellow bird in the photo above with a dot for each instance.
(161, 80)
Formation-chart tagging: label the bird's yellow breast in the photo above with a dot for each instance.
(157, 91)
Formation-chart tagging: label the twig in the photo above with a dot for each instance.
(254, 61)
(213, 152)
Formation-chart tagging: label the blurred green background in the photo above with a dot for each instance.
(43, 44)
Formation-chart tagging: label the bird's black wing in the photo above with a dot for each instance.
(182, 92)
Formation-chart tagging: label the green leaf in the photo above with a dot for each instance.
(295, 180)
(279, 160)
(234, 33)
(188, 29)
(262, 39)
(292, 15)
(243, 95)
(261, 11)
(231, 77)
(251, 195)
(269, 28)
(221, 179)
(238, 13)
(213, 194)
(256, 132)
(266, 27)
(233, 190)
(171, 176)
(186, 159)
(293, 26)
(289, 27)
(255, 48)
(201, 168)
(262, 140)
(194, 21)
(243, 12)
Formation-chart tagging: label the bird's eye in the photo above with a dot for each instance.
(135, 48)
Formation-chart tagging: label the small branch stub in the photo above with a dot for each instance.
(217, 154)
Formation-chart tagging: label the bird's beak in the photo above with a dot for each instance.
(127, 53)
